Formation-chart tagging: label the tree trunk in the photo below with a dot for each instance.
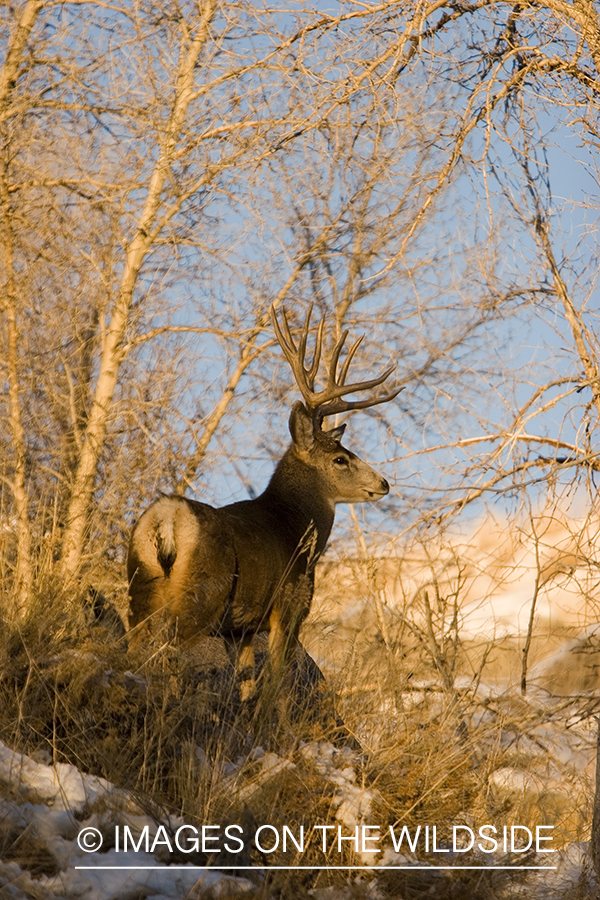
(9, 304)
(112, 349)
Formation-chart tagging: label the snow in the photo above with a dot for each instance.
(61, 786)
(352, 804)
(102, 884)
(271, 765)
(53, 804)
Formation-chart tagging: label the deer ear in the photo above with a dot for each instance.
(301, 427)
(336, 433)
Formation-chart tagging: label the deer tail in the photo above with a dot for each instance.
(166, 547)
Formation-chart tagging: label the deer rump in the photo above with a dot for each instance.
(216, 571)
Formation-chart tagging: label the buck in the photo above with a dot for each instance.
(249, 567)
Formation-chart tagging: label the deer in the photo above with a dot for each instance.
(249, 567)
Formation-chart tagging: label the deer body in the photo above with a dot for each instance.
(249, 566)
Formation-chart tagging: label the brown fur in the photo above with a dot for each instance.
(249, 566)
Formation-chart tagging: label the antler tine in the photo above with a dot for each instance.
(305, 378)
(286, 341)
(317, 354)
(335, 358)
(363, 385)
(331, 399)
(311, 373)
(349, 357)
(338, 389)
(339, 405)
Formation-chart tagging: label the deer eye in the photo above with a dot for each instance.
(341, 461)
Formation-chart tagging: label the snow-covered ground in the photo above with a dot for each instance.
(61, 812)
(64, 814)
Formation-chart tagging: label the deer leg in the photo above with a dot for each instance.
(277, 643)
(283, 640)
(241, 655)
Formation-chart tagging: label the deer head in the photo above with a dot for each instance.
(348, 478)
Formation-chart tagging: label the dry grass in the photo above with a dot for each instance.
(173, 733)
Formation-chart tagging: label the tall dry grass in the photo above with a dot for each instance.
(439, 744)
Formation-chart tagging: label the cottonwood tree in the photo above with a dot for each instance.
(519, 74)
(268, 157)
(169, 172)
(529, 77)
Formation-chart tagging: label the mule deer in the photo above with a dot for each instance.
(249, 566)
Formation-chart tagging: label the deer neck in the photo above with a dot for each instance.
(296, 495)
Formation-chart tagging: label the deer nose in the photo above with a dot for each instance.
(385, 486)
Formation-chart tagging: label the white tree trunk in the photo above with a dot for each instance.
(9, 304)
(112, 349)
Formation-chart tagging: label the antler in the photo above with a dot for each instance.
(330, 400)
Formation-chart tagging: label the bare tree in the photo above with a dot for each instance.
(246, 161)
(528, 75)
(11, 307)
